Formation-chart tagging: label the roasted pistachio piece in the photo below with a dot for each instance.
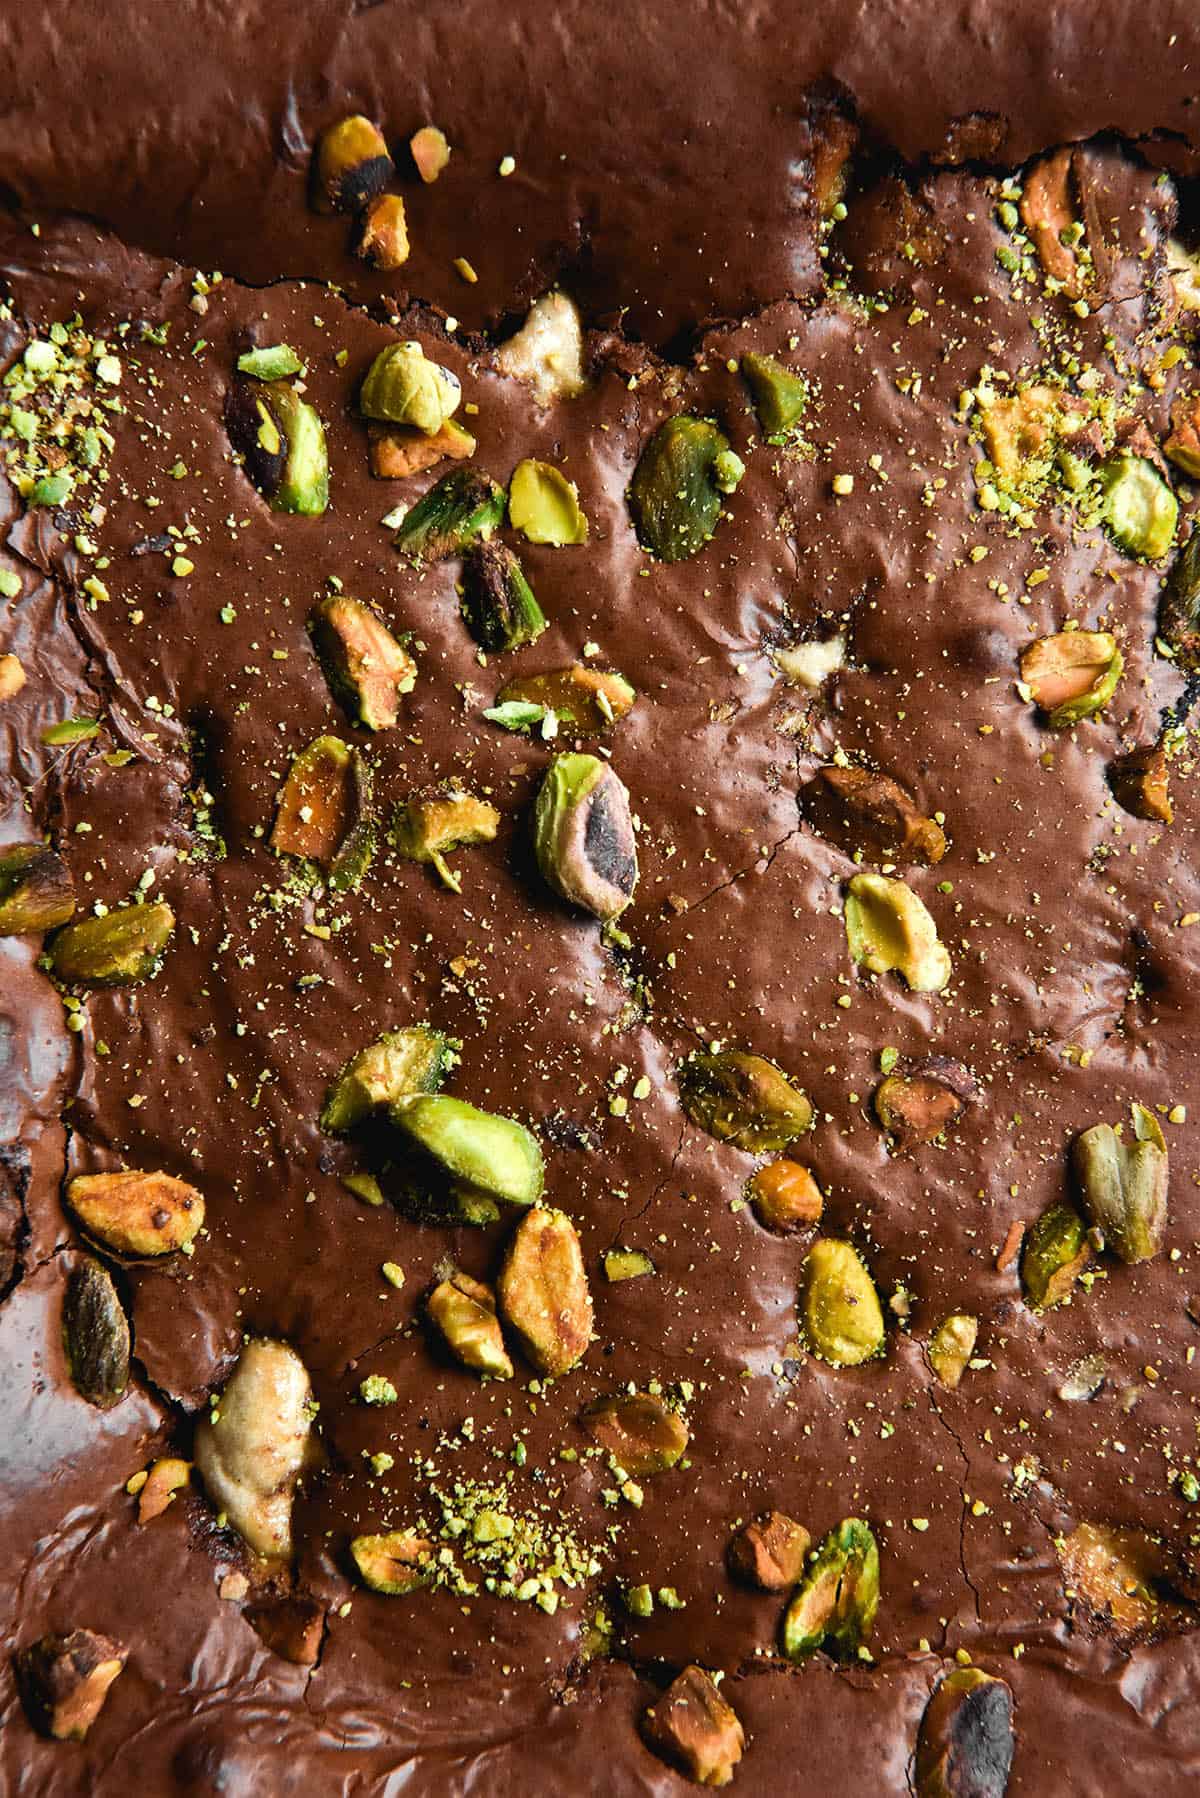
(489, 1155)
(36, 890)
(270, 362)
(1140, 783)
(64, 1681)
(769, 1552)
(281, 440)
(325, 811)
(383, 239)
(744, 1100)
(583, 699)
(584, 835)
(498, 602)
(1179, 607)
(397, 1563)
(966, 1741)
(168, 1476)
(543, 1291)
(122, 948)
(544, 505)
(639, 1430)
(839, 1306)
(96, 1335)
(403, 387)
(780, 395)
(870, 814)
(675, 495)
(137, 1213)
(464, 1311)
(12, 677)
(398, 451)
(889, 929)
(1124, 1185)
(810, 664)
(1117, 1573)
(785, 1197)
(253, 1445)
(1183, 445)
(1048, 215)
(951, 1347)
(350, 165)
(692, 1726)
(547, 351)
(1056, 1252)
(835, 1603)
(398, 1064)
(1072, 675)
(366, 668)
(427, 827)
(1140, 511)
(464, 506)
(919, 1104)
(626, 1264)
(430, 152)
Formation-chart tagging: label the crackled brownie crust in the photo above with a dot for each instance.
(872, 848)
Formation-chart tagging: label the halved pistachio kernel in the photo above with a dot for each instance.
(1072, 675)
(168, 1476)
(839, 1306)
(1140, 782)
(743, 1099)
(497, 601)
(951, 1347)
(1179, 606)
(487, 1154)
(383, 239)
(397, 1563)
(96, 1335)
(325, 813)
(464, 1311)
(12, 677)
(37, 891)
(888, 929)
(965, 1743)
(544, 505)
(1140, 511)
(252, 1447)
(780, 395)
(350, 165)
(1124, 1185)
(122, 948)
(430, 151)
(464, 506)
(674, 494)
(640, 1431)
(1055, 1253)
(547, 351)
(137, 1213)
(281, 441)
(397, 451)
(428, 826)
(920, 1103)
(270, 362)
(693, 1727)
(64, 1681)
(870, 814)
(403, 387)
(583, 699)
(543, 1291)
(835, 1603)
(1121, 1575)
(769, 1552)
(627, 1264)
(785, 1197)
(366, 668)
(415, 1059)
(584, 837)
(1183, 445)
(1048, 215)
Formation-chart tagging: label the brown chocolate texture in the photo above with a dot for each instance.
(1073, 979)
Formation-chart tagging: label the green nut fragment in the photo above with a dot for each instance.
(396, 1563)
(583, 699)
(377, 1389)
(325, 813)
(281, 441)
(462, 507)
(37, 892)
(415, 1059)
(1124, 1185)
(889, 929)
(584, 837)
(366, 668)
(780, 397)
(274, 363)
(1072, 675)
(427, 827)
(641, 1433)
(744, 1100)
(951, 1347)
(1055, 1254)
(627, 1264)
(403, 387)
(464, 1312)
(1140, 511)
(1179, 606)
(497, 601)
(674, 495)
(544, 505)
(489, 1155)
(639, 1601)
(835, 1603)
(839, 1306)
(96, 1335)
(350, 165)
(965, 1743)
(122, 948)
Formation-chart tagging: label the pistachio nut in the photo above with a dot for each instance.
(871, 815)
(1140, 782)
(350, 165)
(919, 1104)
(428, 826)
(1183, 272)
(366, 668)
(464, 1312)
(497, 600)
(780, 396)
(743, 1099)
(1124, 1185)
(1119, 1574)
(281, 441)
(675, 494)
(1140, 511)
(543, 1291)
(584, 700)
(785, 1197)
(397, 1563)
(1056, 1252)
(639, 1430)
(122, 948)
(951, 1347)
(966, 1740)
(888, 928)
(1179, 606)
(12, 677)
(253, 1446)
(1048, 214)
(64, 1681)
(544, 505)
(37, 891)
(397, 451)
(325, 814)
(811, 664)
(693, 1727)
(835, 1603)
(1183, 445)
(487, 1154)
(137, 1213)
(769, 1552)
(839, 1306)
(464, 506)
(626, 1264)
(96, 1335)
(168, 1476)
(1072, 675)
(430, 152)
(403, 387)
(584, 835)
(383, 239)
(270, 362)
(547, 351)
(415, 1059)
